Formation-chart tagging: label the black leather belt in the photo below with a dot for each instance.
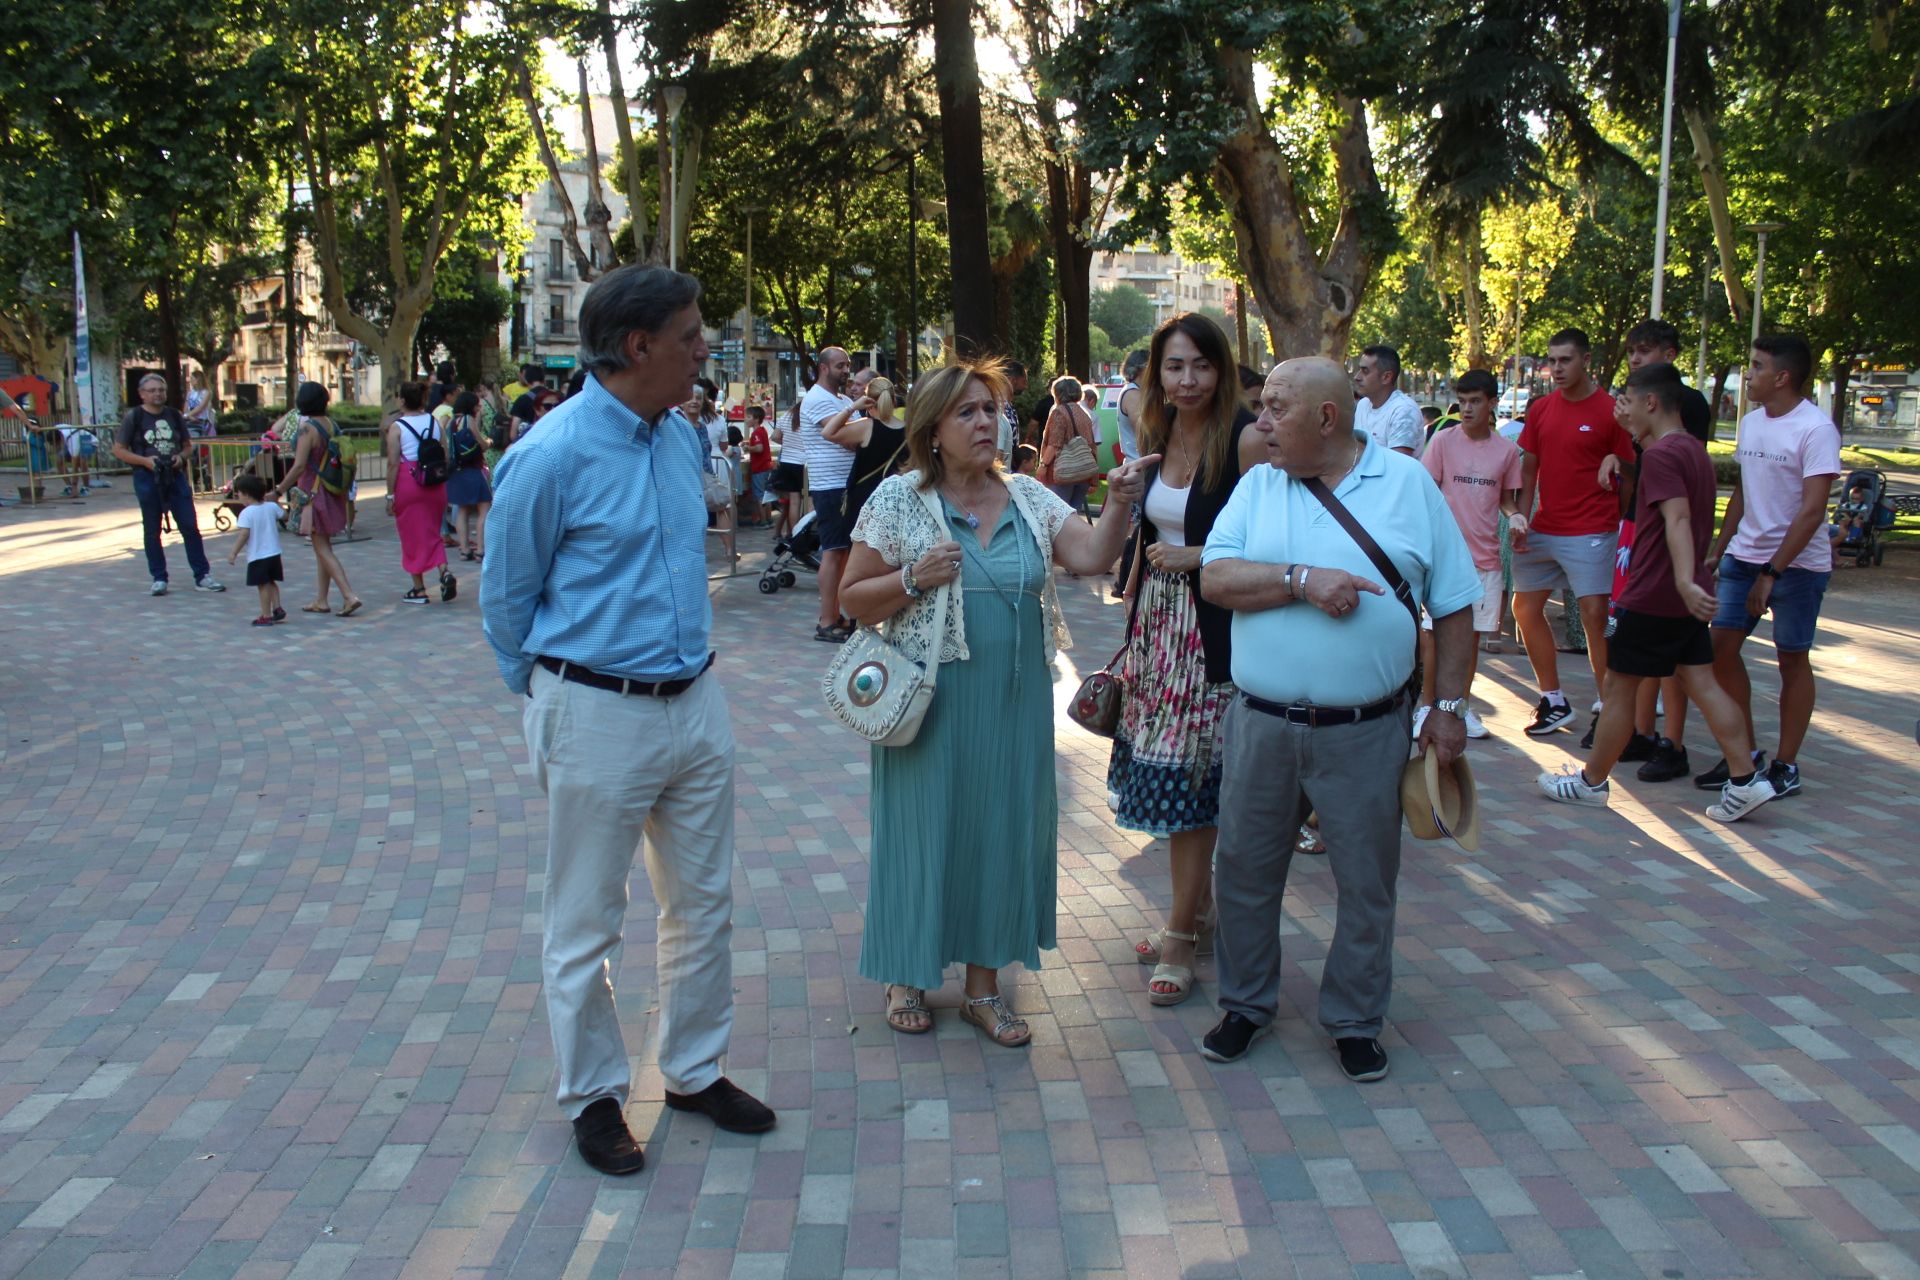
(1320, 717)
(620, 684)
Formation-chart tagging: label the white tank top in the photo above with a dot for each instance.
(1167, 508)
(421, 423)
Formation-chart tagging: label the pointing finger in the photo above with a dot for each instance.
(1362, 584)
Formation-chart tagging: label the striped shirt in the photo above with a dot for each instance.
(598, 554)
(828, 464)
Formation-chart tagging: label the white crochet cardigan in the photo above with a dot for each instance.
(896, 523)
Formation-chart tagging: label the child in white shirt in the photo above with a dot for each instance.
(260, 539)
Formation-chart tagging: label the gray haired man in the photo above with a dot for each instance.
(594, 597)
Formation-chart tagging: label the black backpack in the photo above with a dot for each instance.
(430, 456)
(468, 452)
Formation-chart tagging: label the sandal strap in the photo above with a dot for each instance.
(1178, 936)
(912, 999)
(1003, 1018)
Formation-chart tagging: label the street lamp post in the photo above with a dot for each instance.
(1761, 230)
(913, 273)
(675, 96)
(1666, 161)
(746, 334)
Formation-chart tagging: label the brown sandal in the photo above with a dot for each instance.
(909, 1002)
(991, 1015)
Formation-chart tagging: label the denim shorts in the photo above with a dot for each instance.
(1795, 604)
(831, 520)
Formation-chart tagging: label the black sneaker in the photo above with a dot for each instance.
(604, 1140)
(1231, 1038)
(1549, 716)
(1362, 1058)
(1716, 777)
(727, 1105)
(1785, 778)
(1667, 763)
(1640, 746)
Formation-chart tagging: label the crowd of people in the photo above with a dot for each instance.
(1307, 583)
(1309, 567)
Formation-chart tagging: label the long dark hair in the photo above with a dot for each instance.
(1155, 419)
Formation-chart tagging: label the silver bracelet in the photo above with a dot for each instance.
(1303, 582)
(907, 584)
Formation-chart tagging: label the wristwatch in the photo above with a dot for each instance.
(1769, 571)
(1456, 707)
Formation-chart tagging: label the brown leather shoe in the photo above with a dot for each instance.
(727, 1105)
(604, 1140)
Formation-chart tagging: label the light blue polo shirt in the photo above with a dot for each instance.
(1296, 653)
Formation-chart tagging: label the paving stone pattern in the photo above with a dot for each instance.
(270, 1000)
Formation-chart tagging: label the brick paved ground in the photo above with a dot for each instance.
(269, 999)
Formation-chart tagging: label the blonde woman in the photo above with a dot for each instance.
(878, 440)
(965, 820)
(1164, 777)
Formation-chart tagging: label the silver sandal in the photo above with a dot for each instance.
(976, 1012)
(912, 1000)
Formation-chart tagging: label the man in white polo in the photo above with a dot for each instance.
(1322, 653)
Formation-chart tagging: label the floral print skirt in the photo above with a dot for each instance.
(1165, 772)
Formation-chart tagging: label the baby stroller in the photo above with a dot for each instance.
(798, 550)
(1862, 515)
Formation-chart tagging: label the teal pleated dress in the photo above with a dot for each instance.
(965, 820)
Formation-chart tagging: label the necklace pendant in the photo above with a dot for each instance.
(973, 522)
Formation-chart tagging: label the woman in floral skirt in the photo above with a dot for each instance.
(1164, 777)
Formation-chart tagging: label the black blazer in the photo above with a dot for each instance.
(1204, 506)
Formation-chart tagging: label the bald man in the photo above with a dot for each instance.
(1323, 652)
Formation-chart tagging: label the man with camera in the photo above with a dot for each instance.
(153, 440)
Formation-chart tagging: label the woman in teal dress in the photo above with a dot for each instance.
(965, 820)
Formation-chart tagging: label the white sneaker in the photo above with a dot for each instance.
(1419, 718)
(159, 587)
(1596, 706)
(207, 583)
(1569, 787)
(1737, 802)
(1474, 728)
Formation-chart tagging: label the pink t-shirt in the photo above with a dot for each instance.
(1776, 456)
(1473, 476)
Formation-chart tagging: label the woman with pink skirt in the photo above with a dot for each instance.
(417, 492)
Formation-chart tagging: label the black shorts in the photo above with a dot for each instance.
(1646, 645)
(261, 572)
(833, 519)
(789, 477)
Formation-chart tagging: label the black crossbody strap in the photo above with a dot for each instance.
(1395, 582)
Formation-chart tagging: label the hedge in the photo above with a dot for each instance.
(251, 422)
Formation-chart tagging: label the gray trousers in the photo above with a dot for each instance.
(1274, 772)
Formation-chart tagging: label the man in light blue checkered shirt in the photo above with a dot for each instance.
(594, 595)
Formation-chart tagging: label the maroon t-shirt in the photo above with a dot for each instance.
(1674, 467)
